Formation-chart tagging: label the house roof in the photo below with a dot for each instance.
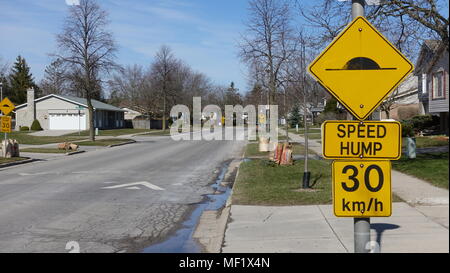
(98, 105)
(433, 44)
(430, 52)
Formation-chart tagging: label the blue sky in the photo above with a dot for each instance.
(203, 33)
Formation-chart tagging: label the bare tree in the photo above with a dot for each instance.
(163, 71)
(129, 84)
(427, 13)
(55, 79)
(88, 48)
(4, 67)
(269, 42)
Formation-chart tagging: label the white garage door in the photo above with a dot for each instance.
(67, 122)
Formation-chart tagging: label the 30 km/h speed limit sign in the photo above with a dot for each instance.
(5, 126)
(362, 188)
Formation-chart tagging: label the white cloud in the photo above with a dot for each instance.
(72, 2)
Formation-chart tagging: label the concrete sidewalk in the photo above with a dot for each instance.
(419, 225)
(314, 229)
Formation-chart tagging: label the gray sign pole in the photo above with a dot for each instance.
(1, 114)
(361, 225)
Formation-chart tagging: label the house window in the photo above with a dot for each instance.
(438, 85)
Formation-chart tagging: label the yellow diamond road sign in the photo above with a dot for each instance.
(6, 106)
(360, 68)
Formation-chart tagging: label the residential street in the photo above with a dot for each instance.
(46, 204)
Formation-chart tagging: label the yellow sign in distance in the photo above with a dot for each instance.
(360, 68)
(361, 139)
(6, 106)
(362, 188)
(5, 126)
(262, 118)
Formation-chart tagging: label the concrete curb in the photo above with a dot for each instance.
(29, 160)
(227, 209)
(211, 228)
(76, 152)
(121, 144)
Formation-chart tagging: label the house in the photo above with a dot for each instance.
(432, 72)
(61, 112)
(404, 99)
(130, 114)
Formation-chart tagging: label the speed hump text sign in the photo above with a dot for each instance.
(5, 124)
(361, 139)
(360, 68)
(362, 188)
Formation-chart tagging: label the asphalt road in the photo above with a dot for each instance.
(89, 199)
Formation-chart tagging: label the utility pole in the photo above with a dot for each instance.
(361, 225)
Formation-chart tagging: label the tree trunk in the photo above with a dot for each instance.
(91, 119)
(164, 113)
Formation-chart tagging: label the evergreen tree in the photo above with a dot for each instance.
(331, 106)
(232, 97)
(295, 117)
(20, 80)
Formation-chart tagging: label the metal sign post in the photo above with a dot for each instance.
(361, 225)
(1, 114)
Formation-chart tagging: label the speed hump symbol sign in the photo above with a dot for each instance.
(362, 188)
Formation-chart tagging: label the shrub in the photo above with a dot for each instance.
(407, 129)
(24, 128)
(422, 122)
(36, 126)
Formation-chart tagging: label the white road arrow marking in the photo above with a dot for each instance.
(129, 185)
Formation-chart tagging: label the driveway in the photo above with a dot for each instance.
(53, 132)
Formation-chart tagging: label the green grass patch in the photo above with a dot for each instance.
(302, 131)
(158, 133)
(312, 135)
(252, 150)
(430, 141)
(431, 167)
(43, 150)
(14, 159)
(26, 138)
(261, 183)
(103, 142)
